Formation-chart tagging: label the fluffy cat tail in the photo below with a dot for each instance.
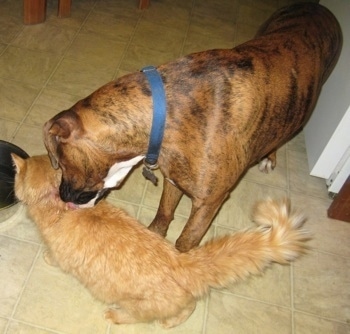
(279, 238)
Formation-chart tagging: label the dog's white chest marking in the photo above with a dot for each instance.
(119, 170)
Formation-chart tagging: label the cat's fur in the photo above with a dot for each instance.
(121, 262)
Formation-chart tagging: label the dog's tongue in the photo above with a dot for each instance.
(71, 206)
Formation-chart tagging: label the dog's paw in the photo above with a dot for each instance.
(265, 166)
(268, 164)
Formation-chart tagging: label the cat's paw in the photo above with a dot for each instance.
(49, 259)
(119, 316)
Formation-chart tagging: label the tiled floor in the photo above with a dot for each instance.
(45, 68)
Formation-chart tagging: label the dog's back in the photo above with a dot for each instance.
(292, 56)
(256, 96)
(319, 31)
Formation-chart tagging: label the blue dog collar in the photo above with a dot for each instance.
(159, 115)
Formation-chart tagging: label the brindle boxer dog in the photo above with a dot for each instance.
(226, 110)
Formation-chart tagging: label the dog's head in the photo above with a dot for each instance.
(89, 166)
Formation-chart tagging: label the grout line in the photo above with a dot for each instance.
(141, 205)
(126, 48)
(188, 27)
(291, 277)
(50, 330)
(292, 297)
(206, 313)
(23, 288)
(314, 315)
(229, 293)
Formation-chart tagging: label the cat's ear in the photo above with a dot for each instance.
(18, 162)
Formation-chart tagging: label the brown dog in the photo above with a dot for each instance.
(226, 110)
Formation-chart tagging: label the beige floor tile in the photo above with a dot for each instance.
(231, 314)
(218, 9)
(269, 5)
(80, 78)
(170, 40)
(277, 178)
(10, 8)
(307, 324)
(17, 327)
(122, 8)
(3, 324)
(244, 32)
(236, 212)
(27, 66)
(10, 27)
(16, 260)
(29, 139)
(134, 329)
(300, 179)
(297, 143)
(7, 129)
(2, 47)
(171, 13)
(273, 286)
(101, 51)
(56, 301)
(16, 98)
(249, 15)
(45, 37)
(207, 33)
(20, 227)
(328, 235)
(199, 42)
(48, 104)
(321, 280)
(113, 25)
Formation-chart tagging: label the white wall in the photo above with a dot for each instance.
(327, 134)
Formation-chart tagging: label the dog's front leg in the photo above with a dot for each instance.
(202, 214)
(171, 196)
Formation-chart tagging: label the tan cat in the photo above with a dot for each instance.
(123, 263)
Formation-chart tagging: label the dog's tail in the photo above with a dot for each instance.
(221, 261)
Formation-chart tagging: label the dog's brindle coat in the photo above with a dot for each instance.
(226, 110)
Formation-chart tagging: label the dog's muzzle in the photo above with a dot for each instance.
(79, 197)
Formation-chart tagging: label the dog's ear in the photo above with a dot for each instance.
(59, 129)
(51, 143)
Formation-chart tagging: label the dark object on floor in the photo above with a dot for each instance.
(340, 208)
(8, 202)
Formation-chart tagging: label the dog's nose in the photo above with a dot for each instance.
(76, 196)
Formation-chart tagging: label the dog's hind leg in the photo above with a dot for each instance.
(171, 196)
(202, 214)
(268, 163)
